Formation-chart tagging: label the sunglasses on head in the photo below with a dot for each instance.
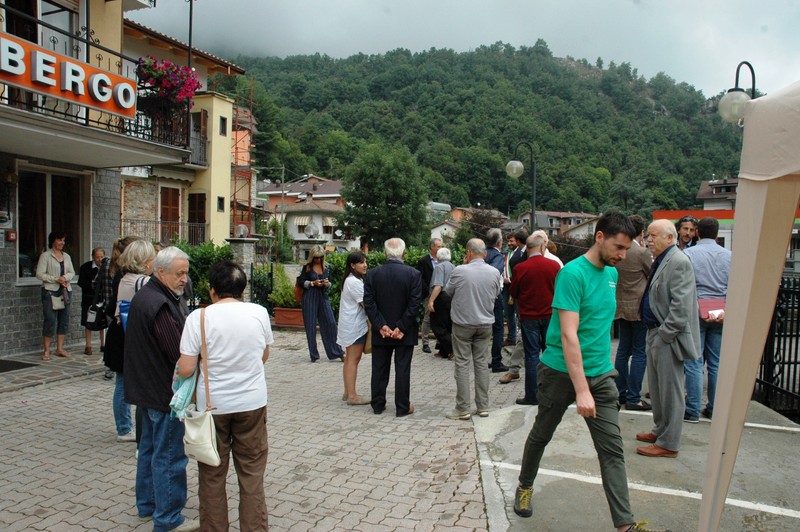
(688, 219)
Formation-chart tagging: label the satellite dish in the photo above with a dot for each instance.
(242, 231)
(311, 230)
(338, 233)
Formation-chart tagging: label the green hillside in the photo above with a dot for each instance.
(603, 135)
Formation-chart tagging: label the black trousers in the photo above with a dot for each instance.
(381, 365)
(441, 324)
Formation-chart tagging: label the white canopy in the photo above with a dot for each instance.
(771, 147)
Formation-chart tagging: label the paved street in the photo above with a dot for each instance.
(337, 467)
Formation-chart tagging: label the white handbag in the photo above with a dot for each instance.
(200, 436)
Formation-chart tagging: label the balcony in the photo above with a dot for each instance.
(37, 125)
(158, 231)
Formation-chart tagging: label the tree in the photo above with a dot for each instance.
(384, 194)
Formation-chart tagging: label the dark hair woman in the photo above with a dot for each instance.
(55, 270)
(352, 333)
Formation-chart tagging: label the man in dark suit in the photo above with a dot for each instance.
(669, 310)
(392, 294)
(425, 266)
(496, 259)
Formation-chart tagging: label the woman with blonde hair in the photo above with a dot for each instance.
(316, 280)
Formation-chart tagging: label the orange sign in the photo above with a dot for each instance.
(30, 67)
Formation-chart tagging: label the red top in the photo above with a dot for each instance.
(533, 285)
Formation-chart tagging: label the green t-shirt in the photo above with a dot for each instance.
(590, 291)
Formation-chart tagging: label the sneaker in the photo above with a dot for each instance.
(109, 374)
(522, 501)
(640, 526)
(688, 418)
(464, 416)
(188, 525)
(131, 436)
(482, 413)
(707, 413)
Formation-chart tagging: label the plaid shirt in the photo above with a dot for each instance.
(102, 285)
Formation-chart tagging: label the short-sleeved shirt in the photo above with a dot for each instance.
(441, 273)
(352, 316)
(590, 291)
(236, 335)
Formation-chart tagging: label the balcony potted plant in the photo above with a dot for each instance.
(288, 311)
(166, 88)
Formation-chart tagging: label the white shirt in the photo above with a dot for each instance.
(352, 316)
(236, 336)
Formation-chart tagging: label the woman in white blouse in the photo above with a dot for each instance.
(352, 332)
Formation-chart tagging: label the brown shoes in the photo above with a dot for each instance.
(508, 377)
(647, 437)
(654, 451)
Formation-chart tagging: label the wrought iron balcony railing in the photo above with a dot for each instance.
(158, 231)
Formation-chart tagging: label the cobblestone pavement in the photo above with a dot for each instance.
(331, 466)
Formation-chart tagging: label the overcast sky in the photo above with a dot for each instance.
(699, 42)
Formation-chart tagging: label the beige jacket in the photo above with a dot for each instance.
(48, 270)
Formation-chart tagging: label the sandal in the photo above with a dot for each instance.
(87, 351)
(62, 354)
(46, 356)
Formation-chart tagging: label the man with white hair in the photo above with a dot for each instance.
(152, 348)
(669, 310)
(517, 354)
(392, 294)
(473, 288)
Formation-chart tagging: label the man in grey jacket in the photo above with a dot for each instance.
(473, 288)
(669, 310)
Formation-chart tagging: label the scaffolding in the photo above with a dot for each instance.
(244, 128)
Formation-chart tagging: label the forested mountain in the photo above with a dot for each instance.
(603, 136)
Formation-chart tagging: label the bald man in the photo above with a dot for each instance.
(669, 310)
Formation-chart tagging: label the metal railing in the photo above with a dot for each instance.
(778, 380)
(157, 231)
(161, 125)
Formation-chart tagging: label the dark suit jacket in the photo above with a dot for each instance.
(392, 294)
(425, 267)
(673, 300)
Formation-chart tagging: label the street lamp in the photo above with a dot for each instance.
(515, 169)
(731, 106)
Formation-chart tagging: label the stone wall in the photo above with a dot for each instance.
(141, 199)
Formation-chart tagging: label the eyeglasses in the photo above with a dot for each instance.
(688, 218)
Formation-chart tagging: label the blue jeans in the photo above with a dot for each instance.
(511, 313)
(55, 321)
(710, 342)
(534, 333)
(161, 470)
(122, 410)
(632, 347)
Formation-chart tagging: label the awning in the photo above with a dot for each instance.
(329, 220)
(302, 220)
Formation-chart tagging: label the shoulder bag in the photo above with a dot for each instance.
(96, 319)
(200, 436)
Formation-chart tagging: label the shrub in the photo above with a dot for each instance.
(201, 258)
(282, 295)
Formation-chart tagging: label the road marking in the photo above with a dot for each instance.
(786, 512)
(775, 428)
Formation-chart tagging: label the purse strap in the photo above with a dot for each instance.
(204, 356)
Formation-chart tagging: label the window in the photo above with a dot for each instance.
(170, 214)
(48, 202)
(223, 126)
(220, 204)
(197, 219)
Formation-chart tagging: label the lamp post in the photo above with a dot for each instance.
(731, 106)
(515, 169)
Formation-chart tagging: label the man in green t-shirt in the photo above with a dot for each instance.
(576, 367)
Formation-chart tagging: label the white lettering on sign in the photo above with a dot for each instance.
(72, 77)
(100, 87)
(43, 68)
(12, 57)
(124, 96)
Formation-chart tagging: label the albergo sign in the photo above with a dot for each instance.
(30, 67)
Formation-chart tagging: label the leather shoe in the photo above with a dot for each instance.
(426, 349)
(654, 451)
(523, 401)
(641, 405)
(508, 377)
(410, 411)
(499, 369)
(509, 342)
(647, 437)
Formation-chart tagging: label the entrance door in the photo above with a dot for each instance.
(197, 219)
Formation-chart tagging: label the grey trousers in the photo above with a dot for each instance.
(556, 393)
(471, 348)
(517, 356)
(666, 381)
